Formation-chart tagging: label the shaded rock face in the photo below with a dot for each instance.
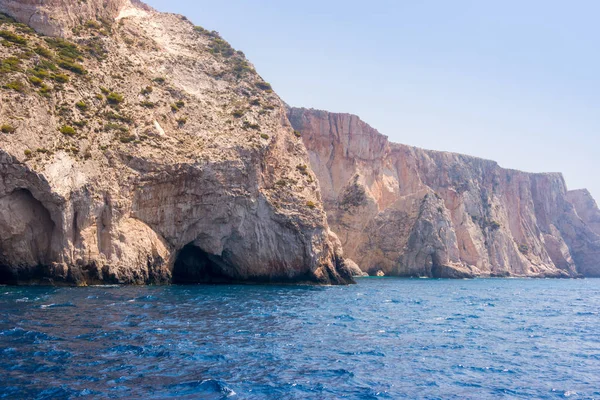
(412, 212)
(586, 208)
(178, 161)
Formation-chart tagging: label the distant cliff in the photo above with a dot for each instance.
(413, 212)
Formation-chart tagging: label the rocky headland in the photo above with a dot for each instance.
(138, 148)
(404, 211)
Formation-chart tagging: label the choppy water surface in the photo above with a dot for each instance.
(383, 338)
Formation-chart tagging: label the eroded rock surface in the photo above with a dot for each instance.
(141, 143)
(413, 212)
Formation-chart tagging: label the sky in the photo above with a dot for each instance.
(514, 81)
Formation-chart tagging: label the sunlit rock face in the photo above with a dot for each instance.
(141, 143)
(413, 212)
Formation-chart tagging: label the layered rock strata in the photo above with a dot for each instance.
(406, 211)
(142, 149)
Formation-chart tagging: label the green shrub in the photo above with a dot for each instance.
(6, 128)
(68, 130)
(15, 85)
(115, 127)
(35, 81)
(523, 248)
(114, 98)
(180, 103)
(99, 96)
(45, 90)
(220, 46)
(39, 73)
(264, 86)
(297, 133)
(248, 125)
(72, 66)
(255, 102)
(238, 113)
(200, 29)
(147, 104)
(303, 169)
(112, 116)
(65, 49)
(174, 107)
(264, 136)
(104, 90)
(27, 153)
(81, 105)
(10, 64)
(60, 78)
(310, 204)
(147, 90)
(44, 52)
(80, 124)
(181, 122)
(13, 38)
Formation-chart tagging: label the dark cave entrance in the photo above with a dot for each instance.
(193, 265)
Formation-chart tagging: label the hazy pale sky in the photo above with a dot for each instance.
(510, 80)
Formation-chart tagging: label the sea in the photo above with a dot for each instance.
(383, 338)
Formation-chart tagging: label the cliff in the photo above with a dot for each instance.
(413, 212)
(138, 148)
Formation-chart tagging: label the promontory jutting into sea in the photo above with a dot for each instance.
(137, 148)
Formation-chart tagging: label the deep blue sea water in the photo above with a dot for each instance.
(383, 338)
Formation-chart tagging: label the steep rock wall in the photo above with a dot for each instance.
(139, 137)
(413, 212)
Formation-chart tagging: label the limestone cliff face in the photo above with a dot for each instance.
(143, 149)
(586, 208)
(413, 212)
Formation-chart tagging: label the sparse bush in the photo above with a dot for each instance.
(238, 113)
(147, 104)
(13, 38)
(60, 78)
(181, 122)
(114, 98)
(160, 80)
(45, 90)
(66, 50)
(6, 128)
(303, 169)
(15, 85)
(310, 204)
(264, 86)
(34, 80)
(72, 66)
(116, 127)
(495, 225)
(523, 248)
(81, 105)
(68, 130)
(39, 73)
(10, 64)
(44, 52)
(297, 133)
(147, 90)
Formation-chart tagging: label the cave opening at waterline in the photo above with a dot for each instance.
(194, 265)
